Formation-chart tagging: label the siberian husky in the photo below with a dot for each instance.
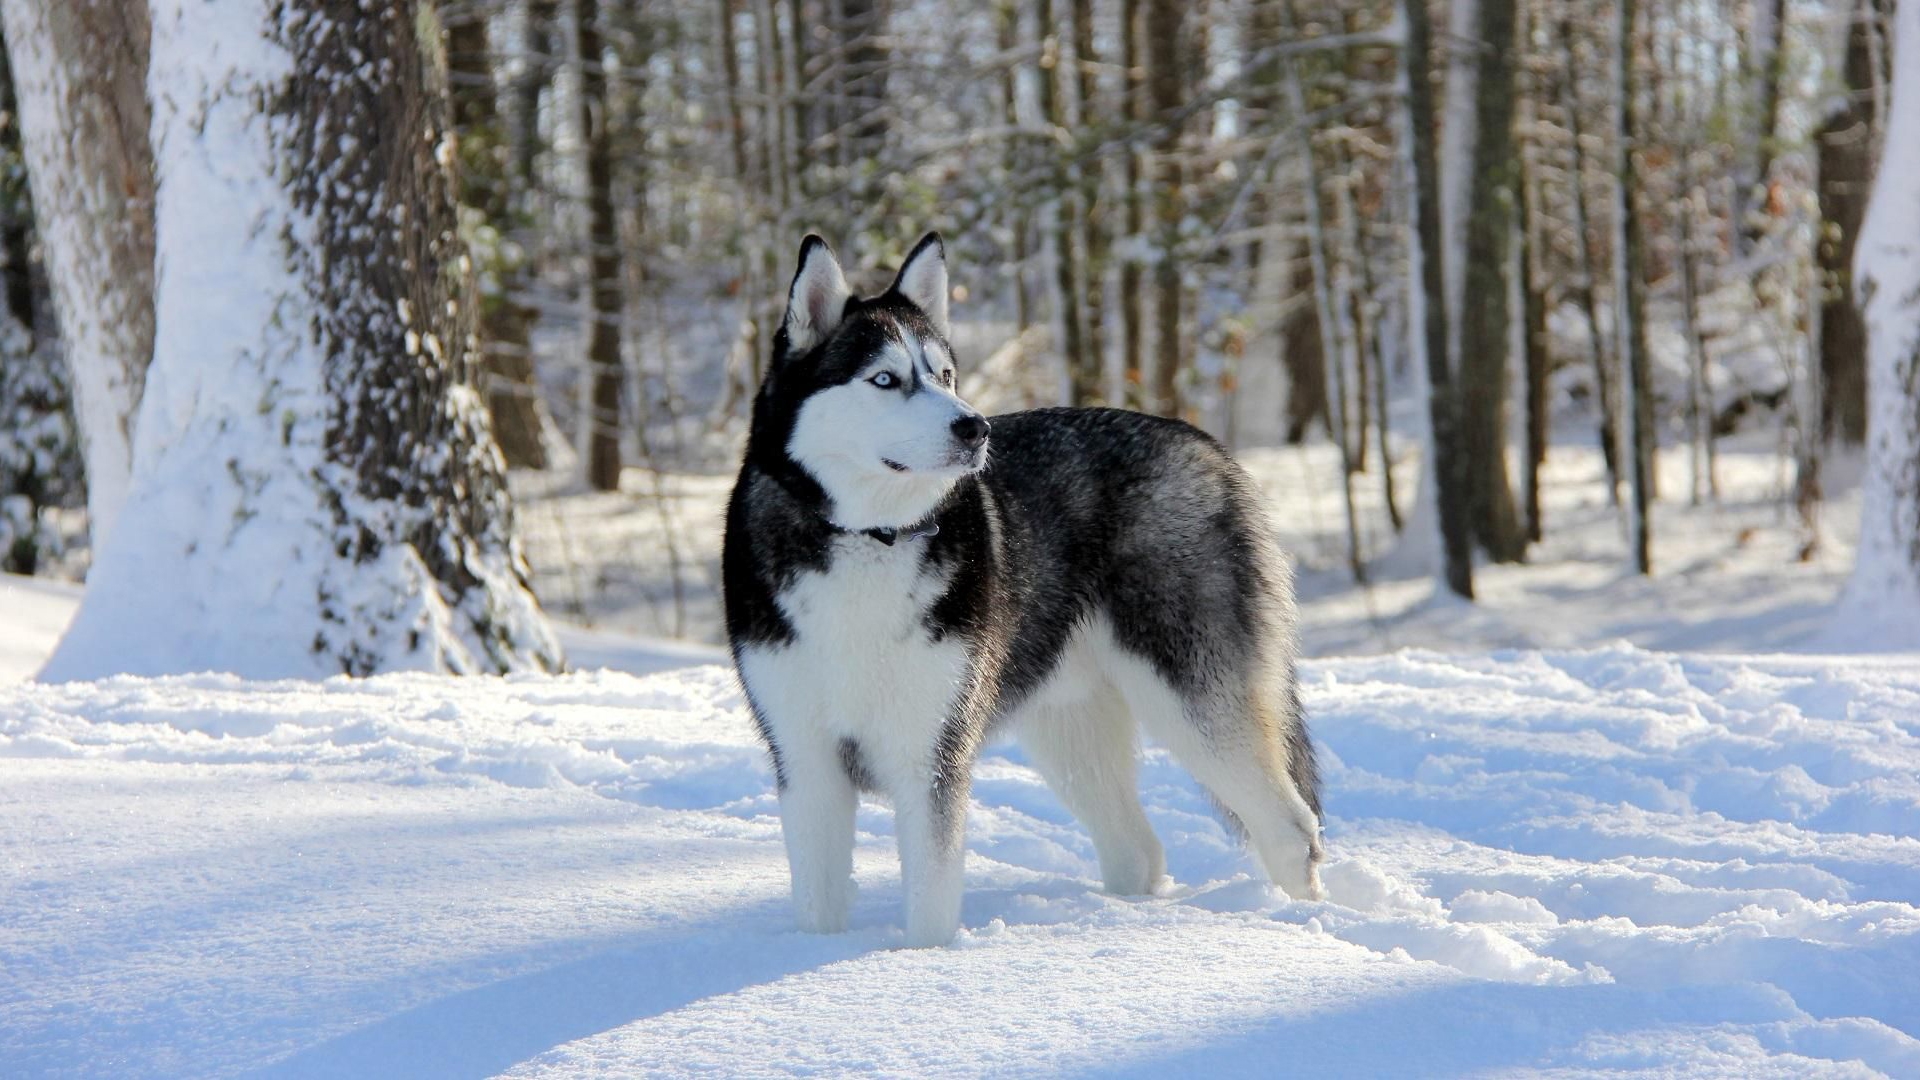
(905, 578)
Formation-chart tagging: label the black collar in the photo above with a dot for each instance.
(811, 502)
(926, 528)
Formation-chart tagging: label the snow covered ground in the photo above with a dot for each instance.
(1545, 863)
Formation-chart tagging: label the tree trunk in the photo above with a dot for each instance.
(1846, 149)
(1094, 214)
(40, 459)
(1132, 350)
(730, 93)
(1083, 371)
(1302, 356)
(1538, 358)
(608, 377)
(1631, 300)
(1485, 325)
(1164, 86)
(1766, 71)
(536, 74)
(863, 37)
(310, 394)
(505, 323)
(793, 58)
(773, 122)
(1449, 463)
(1884, 592)
(1600, 349)
(1008, 23)
(1700, 381)
(80, 71)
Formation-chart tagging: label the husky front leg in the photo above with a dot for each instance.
(817, 806)
(930, 821)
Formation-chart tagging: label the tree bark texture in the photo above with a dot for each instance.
(1450, 464)
(311, 392)
(1485, 322)
(608, 377)
(1083, 369)
(80, 70)
(1164, 81)
(1132, 279)
(1632, 264)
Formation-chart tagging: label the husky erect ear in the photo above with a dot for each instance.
(817, 300)
(923, 280)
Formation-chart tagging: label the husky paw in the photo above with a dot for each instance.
(825, 912)
(1134, 875)
(932, 921)
(1301, 882)
(930, 937)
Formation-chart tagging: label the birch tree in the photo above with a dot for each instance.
(1882, 602)
(315, 489)
(79, 70)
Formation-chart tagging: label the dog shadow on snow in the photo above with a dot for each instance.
(490, 1028)
(487, 1029)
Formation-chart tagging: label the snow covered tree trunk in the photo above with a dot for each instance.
(315, 488)
(80, 69)
(1881, 607)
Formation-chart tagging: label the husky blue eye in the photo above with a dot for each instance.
(886, 380)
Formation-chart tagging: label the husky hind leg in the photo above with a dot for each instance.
(1239, 747)
(1086, 751)
(1252, 779)
(1259, 788)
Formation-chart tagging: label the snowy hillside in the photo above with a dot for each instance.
(1605, 861)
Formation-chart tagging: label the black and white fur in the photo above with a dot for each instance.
(899, 587)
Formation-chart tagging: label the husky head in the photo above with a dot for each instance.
(861, 397)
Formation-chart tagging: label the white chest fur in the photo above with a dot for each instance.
(862, 664)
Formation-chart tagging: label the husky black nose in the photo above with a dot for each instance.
(971, 430)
